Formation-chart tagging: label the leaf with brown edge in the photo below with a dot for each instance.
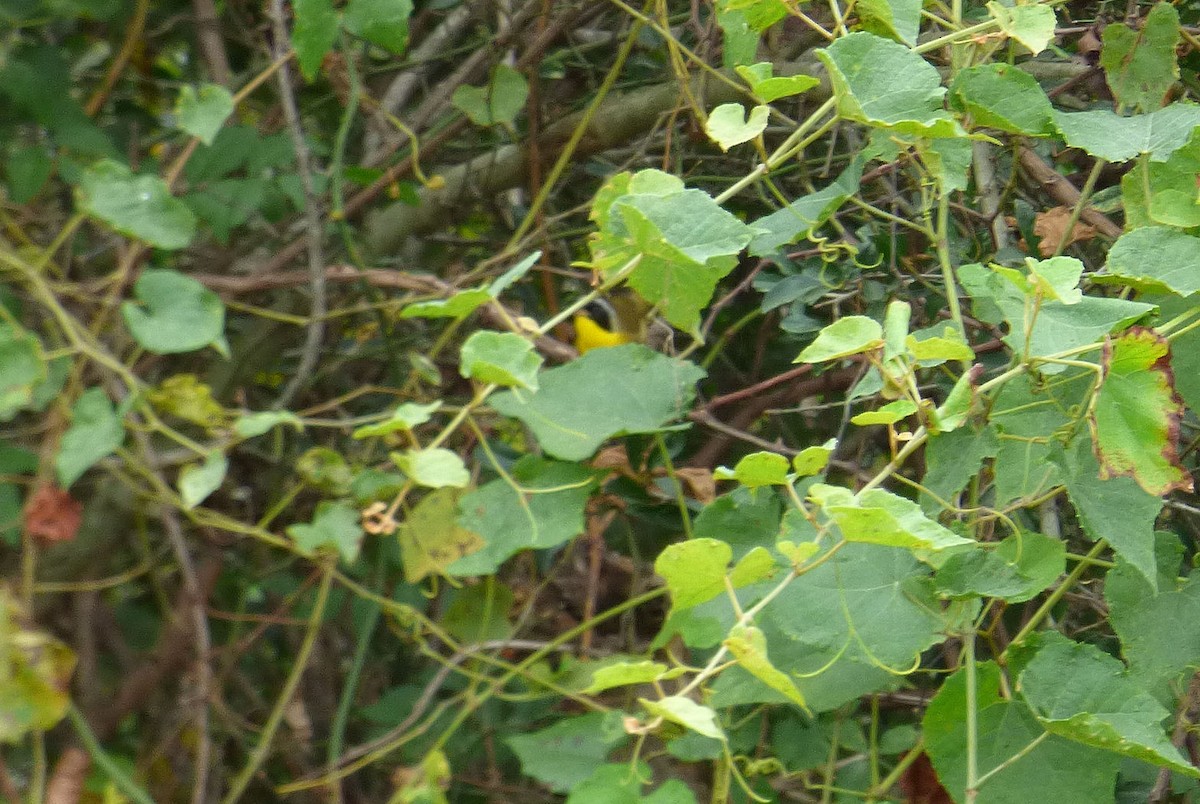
(1135, 418)
(52, 515)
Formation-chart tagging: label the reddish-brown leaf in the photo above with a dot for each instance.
(52, 515)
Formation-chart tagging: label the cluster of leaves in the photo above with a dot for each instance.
(953, 560)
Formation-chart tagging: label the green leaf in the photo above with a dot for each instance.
(849, 626)
(1148, 619)
(198, 480)
(881, 83)
(605, 393)
(460, 305)
(175, 314)
(687, 713)
(1164, 192)
(405, 417)
(27, 170)
(1031, 25)
(756, 470)
(760, 14)
(498, 103)
(749, 647)
(1105, 134)
(313, 34)
(880, 517)
(1140, 64)
(567, 753)
(952, 459)
(433, 467)
(431, 538)
(813, 460)
(1053, 770)
(728, 125)
(611, 783)
(95, 432)
(1116, 510)
(539, 506)
(767, 87)
(503, 358)
(680, 242)
(851, 335)
(625, 674)
(1057, 327)
(334, 526)
(202, 113)
(138, 206)
(22, 368)
(381, 22)
(35, 676)
(250, 425)
(1003, 97)
(890, 413)
(898, 19)
(1154, 259)
(1136, 414)
(807, 212)
(1102, 706)
(1020, 568)
(694, 571)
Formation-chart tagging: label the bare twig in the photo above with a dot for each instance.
(313, 224)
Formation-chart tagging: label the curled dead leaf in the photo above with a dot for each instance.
(52, 515)
(1052, 224)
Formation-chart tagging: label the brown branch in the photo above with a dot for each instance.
(1065, 193)
(133, 37)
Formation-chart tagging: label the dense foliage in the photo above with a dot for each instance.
(305, 494)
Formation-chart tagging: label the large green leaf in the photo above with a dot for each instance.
(1140, 64)
(1057, 326)
(138, 206)
(1105, 134)
(567, 752)
(539, 505)
(1136, 414)
(882, 83)
(848, 627)
(1020, 568)
(1154, 259)
(1102, 706)
(1054, 770)
(680, 241)
(1003, 97)
(313, 33)
(175, 314)
(1116, 509)
(1164, 192)
(1149, 621)
(605, 393)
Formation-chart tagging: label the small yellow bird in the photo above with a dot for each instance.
(612, 321)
